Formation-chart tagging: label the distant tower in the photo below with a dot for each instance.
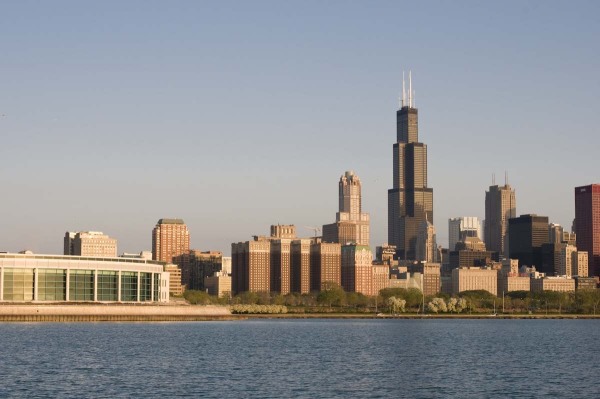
(410, 201)
(500, 205)
(351, 225)
(587, 224)
(426, 247)
(170, 238)
(462, 227)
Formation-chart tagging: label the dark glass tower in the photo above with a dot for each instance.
(410, 201)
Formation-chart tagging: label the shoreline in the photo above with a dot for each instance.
(185, 313)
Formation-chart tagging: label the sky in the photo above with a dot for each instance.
(235, 115)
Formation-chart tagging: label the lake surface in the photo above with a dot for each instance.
(302, 358)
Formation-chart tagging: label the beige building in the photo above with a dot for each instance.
(429, 275)
(175, 286)
(580, 264)
(170, 238)
(90, 243)
(357, 274)
(426, 246)
(512, 283)
(474, 278)
(218, 285)
(380, 279)
(351, 225)
(561, 284)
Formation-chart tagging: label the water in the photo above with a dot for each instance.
(302, 358)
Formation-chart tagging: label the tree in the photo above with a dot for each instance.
(331, 294)
(437, 305)
(396, 305)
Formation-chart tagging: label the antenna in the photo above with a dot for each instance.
(505, 178)
(403, 91)
(410, 89)
(493, 179)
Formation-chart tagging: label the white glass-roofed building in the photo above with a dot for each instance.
(56, 278)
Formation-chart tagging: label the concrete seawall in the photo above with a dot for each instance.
(94, 313)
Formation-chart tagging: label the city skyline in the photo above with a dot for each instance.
(203, 115)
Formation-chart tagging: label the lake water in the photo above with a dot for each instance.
(302, 358)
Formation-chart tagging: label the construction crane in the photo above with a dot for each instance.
(316, 230)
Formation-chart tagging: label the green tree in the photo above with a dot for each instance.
(331, 294)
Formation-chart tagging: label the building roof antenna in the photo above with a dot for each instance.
(403, 91)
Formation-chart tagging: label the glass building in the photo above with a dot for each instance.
(55, 278)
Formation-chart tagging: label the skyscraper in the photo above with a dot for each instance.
(351, 225)
(587, 224)
(410, 201)
(461, 228)
(526, 235)
(500, 205)
(170, 238)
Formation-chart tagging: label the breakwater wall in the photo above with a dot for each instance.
(116, 313)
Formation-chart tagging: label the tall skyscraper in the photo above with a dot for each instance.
(170, 238)
(500, 205)
(351, 225)
(90, 243)
(461, 228)
(526, 235)
(410, 201)
(587, 224)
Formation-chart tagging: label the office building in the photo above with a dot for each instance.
(500, 206)
(587, 224)
(90, 243)
(218, 284)
(461, 228)
(351, 225)
(175, 286)
(426, 247)
(474, 278)
(527, 234)
(170, 238)
(554, 283)
(429, 274)
(410, 201)
(56, 278)
(197, 265)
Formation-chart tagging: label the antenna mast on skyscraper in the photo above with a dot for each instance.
(403, 92)
(410, 99)
(493, 179)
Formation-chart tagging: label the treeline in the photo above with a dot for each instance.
(398, 300)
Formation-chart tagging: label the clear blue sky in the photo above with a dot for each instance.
(238, 115)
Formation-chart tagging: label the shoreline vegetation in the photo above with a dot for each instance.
(331, 303)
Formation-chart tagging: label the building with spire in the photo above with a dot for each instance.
(500, 205)
(426, 248)
(410, 201)
(351, 224)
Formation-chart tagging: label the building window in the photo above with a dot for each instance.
(18, 284)
(52, 284)
(107, 286)
(81, 285)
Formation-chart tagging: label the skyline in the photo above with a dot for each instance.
(234, 118)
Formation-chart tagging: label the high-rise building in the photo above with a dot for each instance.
(357, 273)
(351, 224)
(90, 243)
(526, 235)
(250, 266)
(500, 205)
(170, 238)
(587, 224)
(426, 248)
(461, 228)
(410, 201)
(325, 265)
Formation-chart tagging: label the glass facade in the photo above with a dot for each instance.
(66, 279)
(81, 285)
(107, 285)
(51, 284)
(145, 287)
(18, 284)
(129, 286)
(156, 286)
